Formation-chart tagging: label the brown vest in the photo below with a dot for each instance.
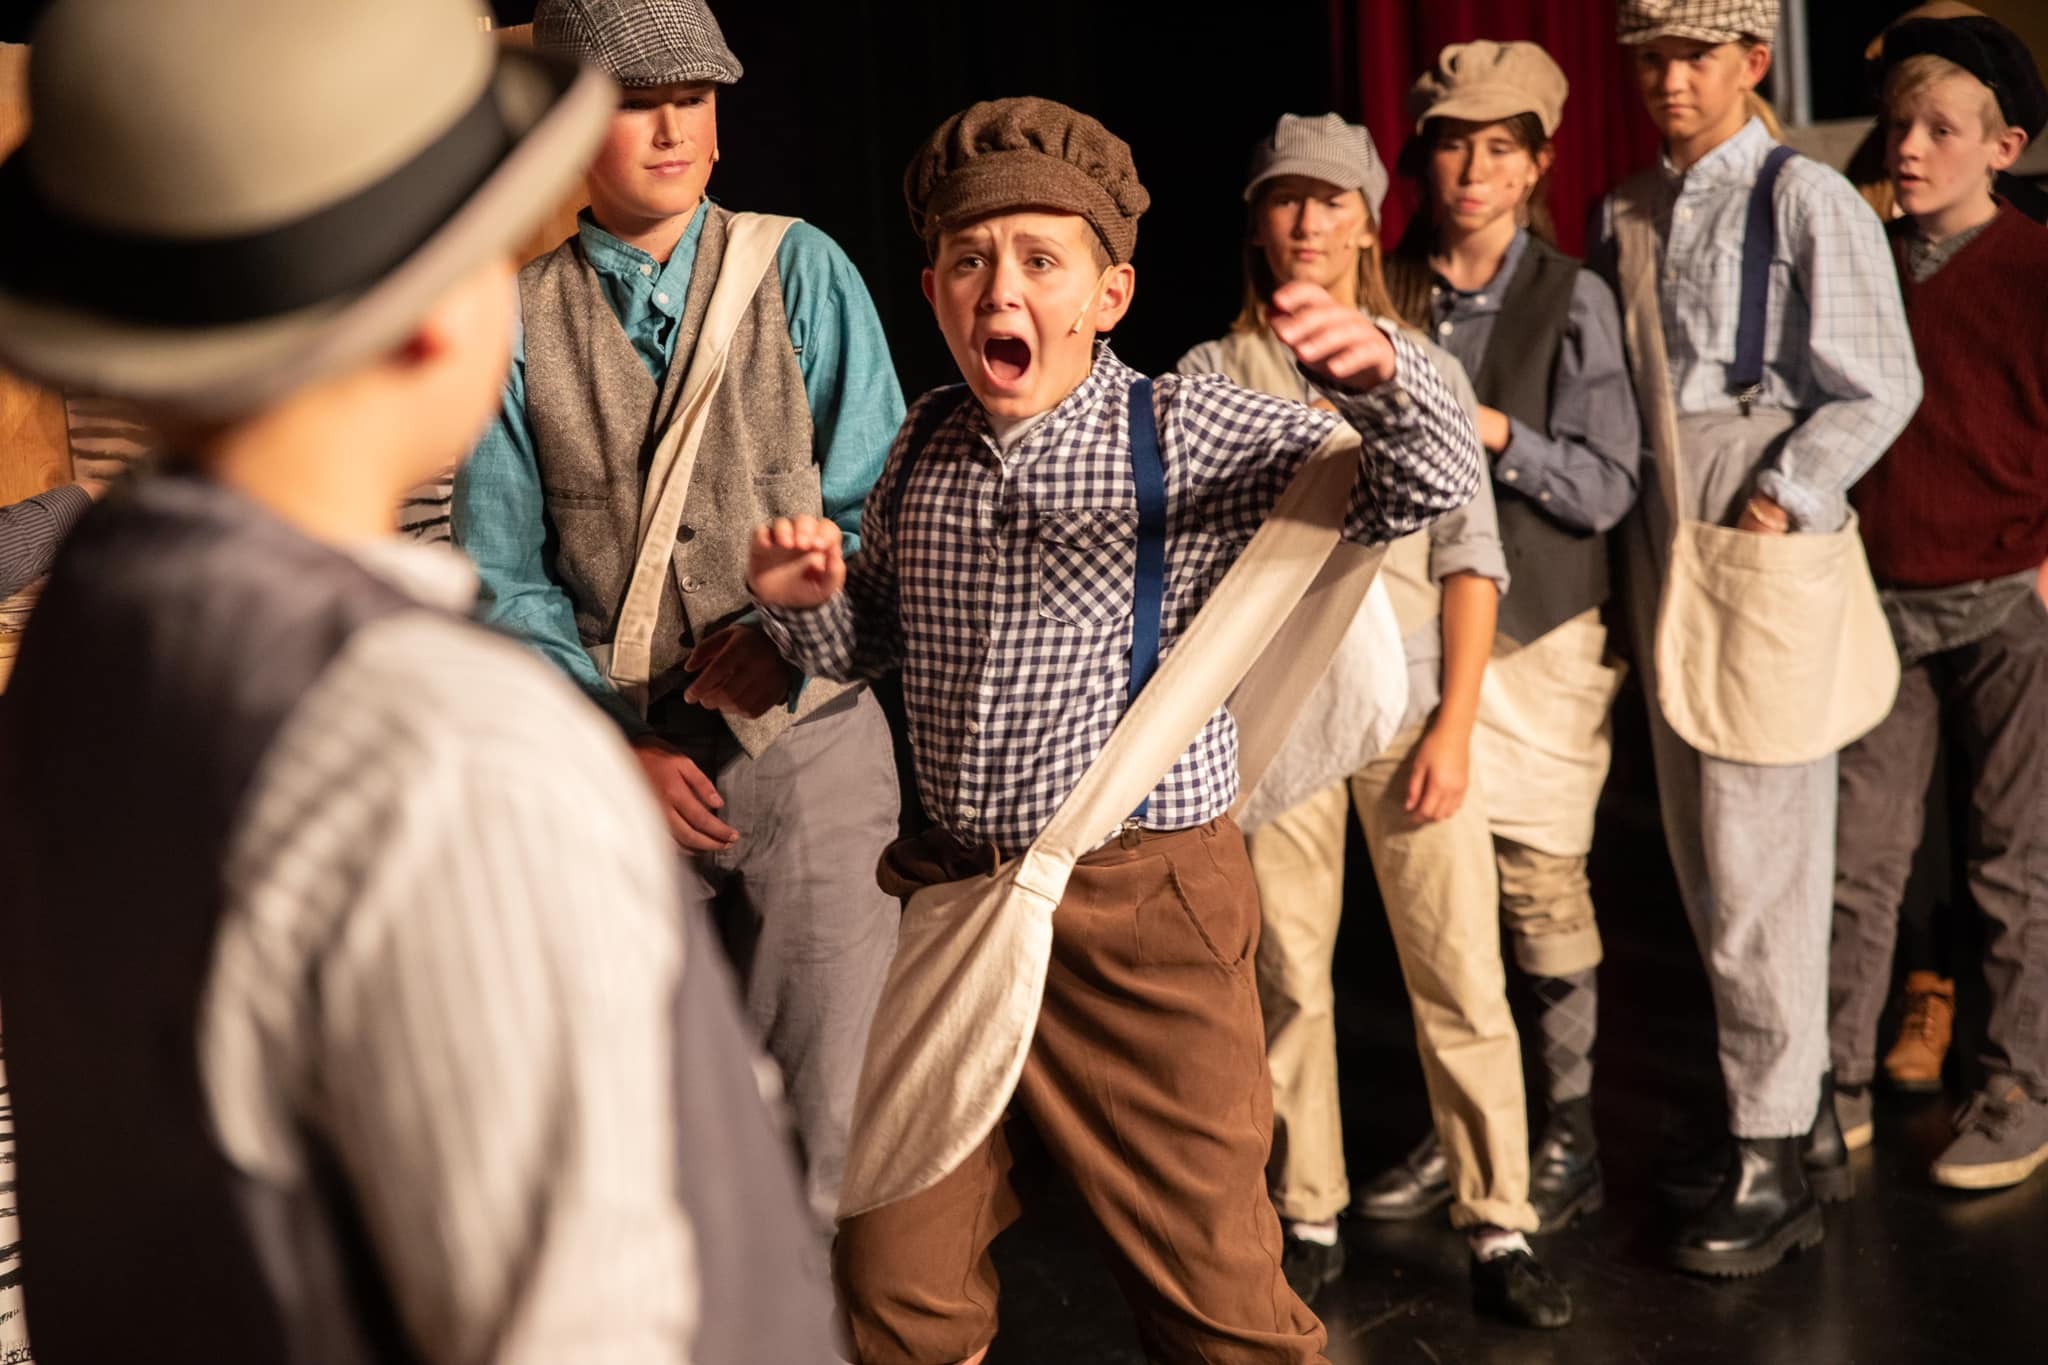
(597, 416)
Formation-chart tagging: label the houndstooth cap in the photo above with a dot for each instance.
(1704, 21)
(1326, 148)
(638, 42)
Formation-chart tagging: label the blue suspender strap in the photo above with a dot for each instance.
(1149, 589)
(1759, 244)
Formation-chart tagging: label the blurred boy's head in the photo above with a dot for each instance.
(1029, 214)
(669, 57)
(1697, 62)
(174, 138)
(1962, 97)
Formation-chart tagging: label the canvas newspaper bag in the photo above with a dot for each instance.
(1770, 649)
(960, 1004)
(751, 242)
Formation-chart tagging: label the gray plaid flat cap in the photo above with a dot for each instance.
(638, 42)
(1326, 148)
(1703, 21)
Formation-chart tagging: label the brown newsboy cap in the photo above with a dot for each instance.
(1024, 153)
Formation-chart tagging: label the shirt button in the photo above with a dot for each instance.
(967, 814)
(1543, 496)
(661, 299)
(1443, 328)
(973, 727)
(689, 584)
(1511, 474)
(1685, 215)
(647, 270)
(1480, 299)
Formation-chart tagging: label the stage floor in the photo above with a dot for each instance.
(1908, 1273)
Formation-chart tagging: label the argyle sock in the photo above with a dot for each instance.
(1567, 1021)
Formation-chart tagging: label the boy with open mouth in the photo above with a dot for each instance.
(1000, 566)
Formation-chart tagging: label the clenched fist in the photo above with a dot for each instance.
(1333, 341)
(796, 562)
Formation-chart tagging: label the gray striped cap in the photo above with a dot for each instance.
(1327, 148)
(638, 42)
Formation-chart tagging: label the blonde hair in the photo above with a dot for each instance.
(1914, 76)
(1760, 107)
(1259, 283)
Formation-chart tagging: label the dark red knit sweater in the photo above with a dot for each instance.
(1962, 495)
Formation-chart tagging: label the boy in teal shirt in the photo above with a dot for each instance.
(550, 507)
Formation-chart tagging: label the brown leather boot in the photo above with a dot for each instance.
(1914, 1063)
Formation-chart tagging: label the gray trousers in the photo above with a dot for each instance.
(1989, 699)
(809, 930)
(1754, 851)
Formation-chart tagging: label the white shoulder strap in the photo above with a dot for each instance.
(1271, 625)
(751, 242)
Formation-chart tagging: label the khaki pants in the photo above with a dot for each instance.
(1147, 1080)
(1546, 903)
(1443, 901)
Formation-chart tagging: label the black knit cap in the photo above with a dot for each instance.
(1987, 50)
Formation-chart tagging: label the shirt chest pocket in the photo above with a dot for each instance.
(1085, 562)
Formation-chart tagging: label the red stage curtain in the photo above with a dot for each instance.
(1379, 47)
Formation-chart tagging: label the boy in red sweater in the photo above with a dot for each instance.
(1955, 520)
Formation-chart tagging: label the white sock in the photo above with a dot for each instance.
(1489, 1243)
(1322, 1234)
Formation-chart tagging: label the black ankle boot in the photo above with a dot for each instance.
(1763, 1212)
(1564, 1167)
(1826, 1154)
(1419, 1184)
(1692, 1178)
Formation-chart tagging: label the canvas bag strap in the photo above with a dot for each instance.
(1242, 617)
(1759, 244)
(752, 240)
(1642, 320)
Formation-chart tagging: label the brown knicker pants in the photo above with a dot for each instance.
(1147, 1081)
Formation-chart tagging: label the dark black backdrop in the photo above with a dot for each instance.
(837, 96)
(839, 93)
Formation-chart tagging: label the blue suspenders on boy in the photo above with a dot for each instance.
(1759, 244)
(1148, 472)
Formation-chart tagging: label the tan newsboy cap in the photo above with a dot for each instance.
(1484, 82)
(1703, 21)
(1001, 156)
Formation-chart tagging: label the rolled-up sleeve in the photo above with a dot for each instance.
(31, 531)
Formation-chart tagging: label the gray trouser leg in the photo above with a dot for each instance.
(814, 813)
(1754, 851)
(1883, 786)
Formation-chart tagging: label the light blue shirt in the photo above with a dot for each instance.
(849, 382)
(1836, 345)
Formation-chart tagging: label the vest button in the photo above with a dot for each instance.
(685, 534)
(689, 584)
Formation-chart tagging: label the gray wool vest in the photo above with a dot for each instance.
(597, 416)
(1558, 571)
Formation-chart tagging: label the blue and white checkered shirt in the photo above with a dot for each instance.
(1003, 583)
(1836, 345)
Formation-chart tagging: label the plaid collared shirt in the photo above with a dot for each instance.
(1836, 345)
(1003, 584)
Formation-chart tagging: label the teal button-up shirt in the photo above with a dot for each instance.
(856, 407)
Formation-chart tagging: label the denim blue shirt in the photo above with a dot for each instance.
(849, 381)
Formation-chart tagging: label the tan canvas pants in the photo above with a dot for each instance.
(1443, 899)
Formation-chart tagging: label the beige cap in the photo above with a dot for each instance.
(1484, 82)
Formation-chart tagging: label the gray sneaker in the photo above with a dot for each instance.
(1852, 1111)
(2001, 1139)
